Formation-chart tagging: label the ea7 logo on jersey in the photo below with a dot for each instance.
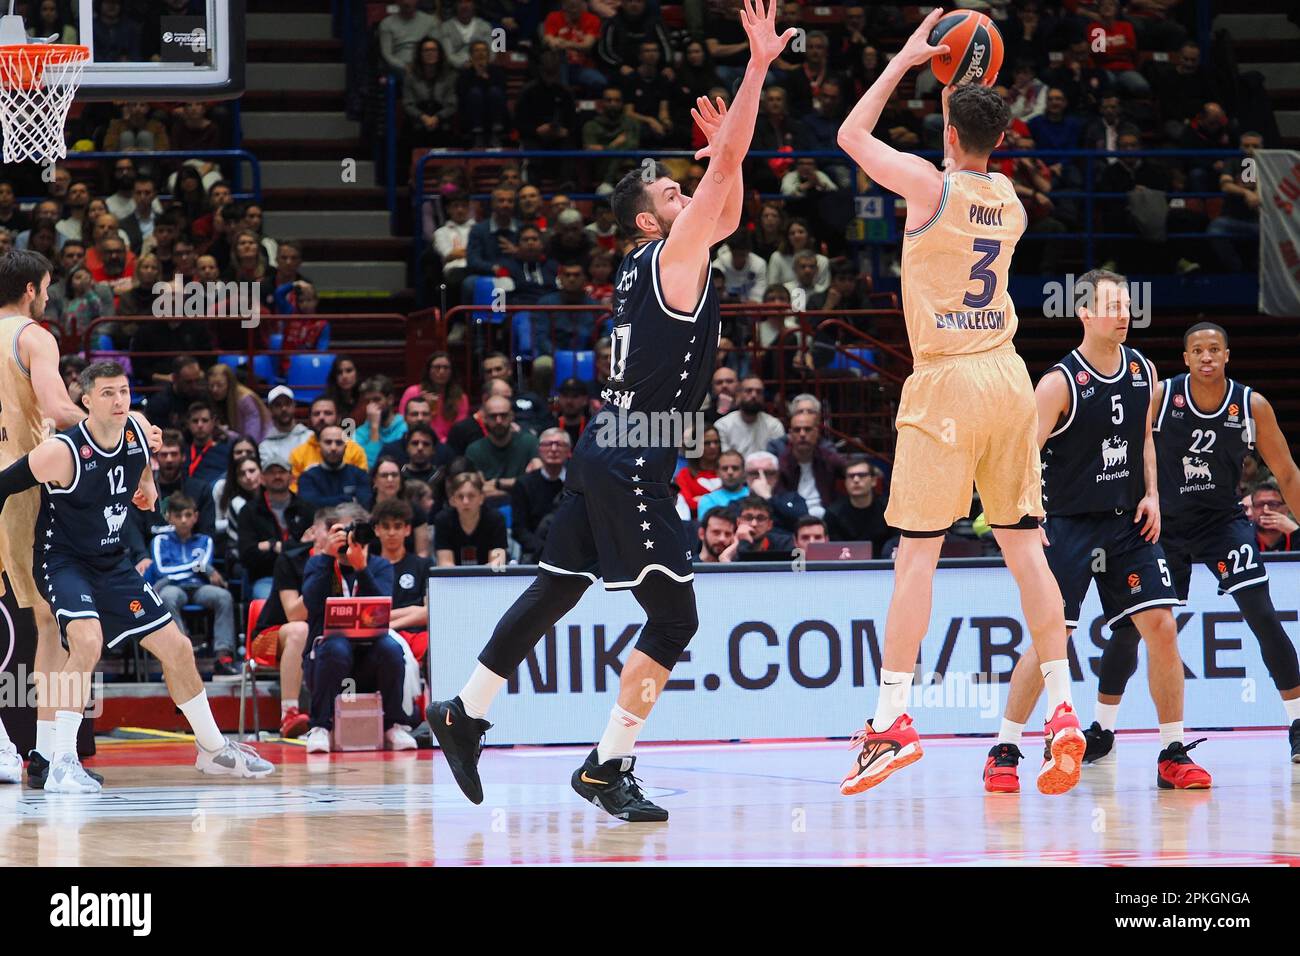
(115, 515)
(1114, 453)
(1194, 468)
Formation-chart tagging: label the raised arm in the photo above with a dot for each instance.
(684, 261)
(40, 353)
(911, 177)
(709, 118)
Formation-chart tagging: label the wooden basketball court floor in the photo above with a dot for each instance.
(730, 804)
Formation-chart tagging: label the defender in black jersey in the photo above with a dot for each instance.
(1103, 521)
(1205, 426)
(617, 517)
(91, 475)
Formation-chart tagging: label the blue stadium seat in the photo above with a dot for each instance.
(264, 368)
(308, 375)
(522, 324)
(841, 360)
(234, 361)
(483, 289)
(574, 364)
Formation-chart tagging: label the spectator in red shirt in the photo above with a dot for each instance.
(699, 475)
(574, 31)
(1114, 49)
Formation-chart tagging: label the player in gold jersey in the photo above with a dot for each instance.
(33, 403)
(967, 412)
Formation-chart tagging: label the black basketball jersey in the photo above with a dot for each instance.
(662, 360)
(85, 519)
(1092, 462)
(1200, 453)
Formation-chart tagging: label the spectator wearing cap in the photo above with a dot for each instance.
(323, 413)
(271, 522)
(744, 272)
(567, 329)
(573, 408)
(748, 429)
(286, 433)
(859, 515)
(569, 242)
(503, 454)
(333, 482)
(534, 495)
(809, 468)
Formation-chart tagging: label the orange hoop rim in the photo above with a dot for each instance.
(22, 65)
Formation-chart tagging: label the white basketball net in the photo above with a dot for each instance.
(37, 84)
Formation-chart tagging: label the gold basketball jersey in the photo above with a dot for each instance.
(20, 416)
(955, 296)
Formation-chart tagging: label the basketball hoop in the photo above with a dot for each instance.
(37, 84)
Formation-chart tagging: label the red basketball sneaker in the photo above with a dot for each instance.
(881, 754)
(1000, 769)
(1176, 771)
(1063, 749)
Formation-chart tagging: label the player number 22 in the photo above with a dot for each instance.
(982, 273)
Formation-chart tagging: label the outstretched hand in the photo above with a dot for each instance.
(709, 119)
(917, 49)
(760, 27)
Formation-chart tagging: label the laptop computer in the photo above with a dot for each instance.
(357, 618)
(839, 551)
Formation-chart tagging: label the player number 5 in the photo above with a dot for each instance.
(1117, 410)
(1164, 573)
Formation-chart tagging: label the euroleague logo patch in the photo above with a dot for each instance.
(136, 608)
(1134, 583)
(130, 437)
(1223, 569)
(1135, 368)
(86, 451)
(1082, 378)
(1233, 410)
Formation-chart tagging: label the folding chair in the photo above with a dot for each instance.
(252, 664)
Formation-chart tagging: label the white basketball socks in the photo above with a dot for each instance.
(1056, 678)
(1010, 732)
(1106, 715)
(45, 738)
(1292, 710)
(1170, 733)
(66, 725)
(199, 714)
(480, 690)
(895, 688)
(619, 738)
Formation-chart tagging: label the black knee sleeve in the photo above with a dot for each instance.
(671, 620)
(1119, 659)
(548, 598)
(1275, 647)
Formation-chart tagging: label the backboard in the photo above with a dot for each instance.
(158, 49)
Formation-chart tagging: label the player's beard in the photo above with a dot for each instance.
(37, 308)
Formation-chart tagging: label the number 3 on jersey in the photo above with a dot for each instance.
(981, 272)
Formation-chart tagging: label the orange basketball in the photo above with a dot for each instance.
(974, 49)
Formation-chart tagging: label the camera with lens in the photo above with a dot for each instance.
(361, 533)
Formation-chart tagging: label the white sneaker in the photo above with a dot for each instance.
(317, 740)
(11, 765)
(398, 737)
(233, 760)
(67, 775)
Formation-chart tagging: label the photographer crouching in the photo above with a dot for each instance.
(345, 568)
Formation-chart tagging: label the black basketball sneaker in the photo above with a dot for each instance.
(461, 738)
(38, 769)
(612, 787)
(1295, 741)
(1100, 742)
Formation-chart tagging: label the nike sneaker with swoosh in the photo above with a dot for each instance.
(881, 754)
(38, 770)
(612, 787)
(461, 738)
(1063, 749)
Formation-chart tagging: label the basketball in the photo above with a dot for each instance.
(974, 49)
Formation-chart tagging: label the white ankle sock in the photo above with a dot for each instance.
(45, 738)
(895, 689)
(1010, 732)
(619, 738)
(480, 690)
(1056, 677)
(1171, 732)
(1292, 710)
(199, 714)
(1105, 715)
(286, 706)
(66, 725)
